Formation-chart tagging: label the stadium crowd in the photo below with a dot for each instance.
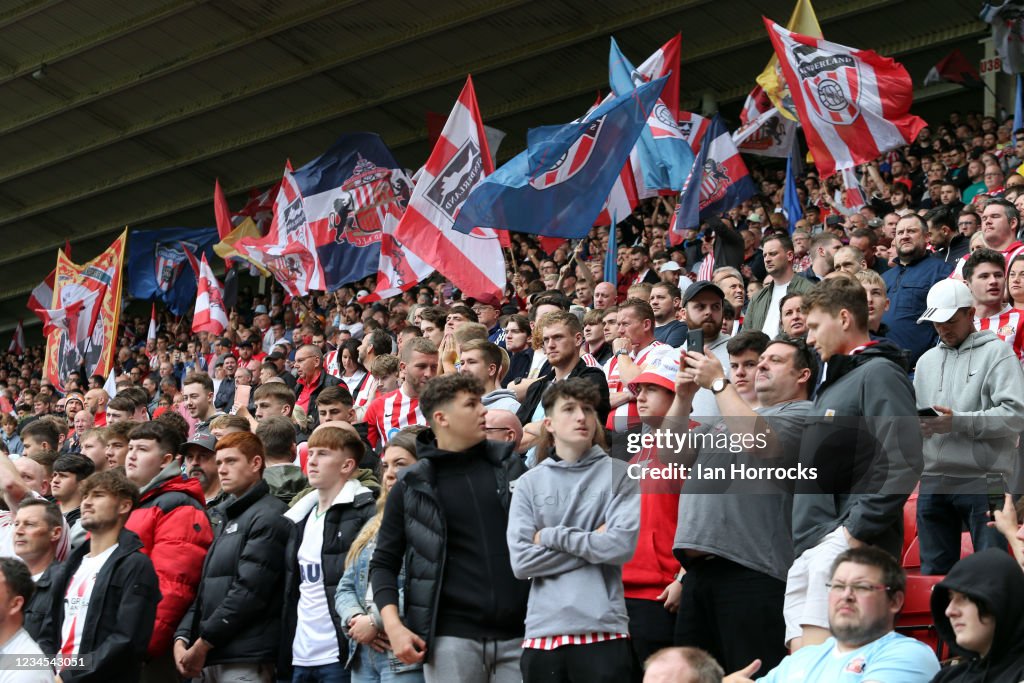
(439, 489)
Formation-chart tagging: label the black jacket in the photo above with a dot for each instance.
(582, 370)
(343, 522)
(225, 398)
(958, 247)
(39, 606)
(994, 582)
(122, 611)
(237, 608)
(483, 596)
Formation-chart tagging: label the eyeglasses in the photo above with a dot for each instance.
(859, 589)
(497, 429)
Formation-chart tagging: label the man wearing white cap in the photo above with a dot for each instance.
(670, 271)
(975, 385)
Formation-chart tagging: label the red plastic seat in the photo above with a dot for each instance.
(912, 555)
(915, 620)
(909, 522)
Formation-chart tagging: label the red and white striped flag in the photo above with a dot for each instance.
(460, 160)
(210, 315)
(853, 197)
(289, 249)
(151, 333)
(42, 295)
(17, 346)
(853, 104)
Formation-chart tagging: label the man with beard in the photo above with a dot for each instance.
(907, 285)
(865, 594)
(198, 455)
(703, 310)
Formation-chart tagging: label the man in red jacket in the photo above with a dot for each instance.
(171, 521)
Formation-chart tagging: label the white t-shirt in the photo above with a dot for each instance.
(773, 320)
(76, 600)
(22, 645)
(316, 642)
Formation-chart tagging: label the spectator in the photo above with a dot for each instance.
(400, 408)
(483, 360)
(96, 403)
(325, 524)
(37, 535)
(470, 612)
(866, 240)
(974, 437)
(517, 343)
(682, 665)
(232, 630)
(369, 658)
(10, 435)
(273, 398)
(634, 348)
(763, 313)
(866, 589)
(170, 520)
(376, 344)
(985, 273)
(704, 304)
(605, 296)
(312, 380)
(116, 443)
(838, 510)
(502, 425)
(730, 281)
(93, 442)
(878, 302)
(17, 644)
(285, 479)
(197, 389)
(948, 243)
(719, 566)
(112, 567)
(228, 424)
(666, 301)
(907, 285)
(69, 471)
(976, 610)
(198, 462)
(39, 436)
(849, 260)
(823, 249)
(488, 308)
(793, 319)
(640, 267)
(573, 549)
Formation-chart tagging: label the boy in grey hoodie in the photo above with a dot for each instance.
(574, 522)
(974, 381)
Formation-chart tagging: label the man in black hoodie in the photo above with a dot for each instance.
(446, 519)
(977, 610)
(863, 443)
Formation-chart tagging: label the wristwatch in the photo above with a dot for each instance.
(719, 385)
(622, 352)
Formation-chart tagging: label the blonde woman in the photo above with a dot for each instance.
(370, 659)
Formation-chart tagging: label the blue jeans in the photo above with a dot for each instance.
(371, 666)
(328, 673)
(940, 521)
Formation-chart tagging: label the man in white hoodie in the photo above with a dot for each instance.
(574, 521)
(975, 385)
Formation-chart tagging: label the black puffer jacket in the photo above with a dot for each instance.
(39, 605)
(237, 608)
(994, 582)
(482, 598)
(352, 508)
(122, 612)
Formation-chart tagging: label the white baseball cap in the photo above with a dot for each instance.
(668, 267)
(945, 298)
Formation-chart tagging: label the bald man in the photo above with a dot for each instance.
(502, 425)
(682, 665)
(605, 296)
(96, 403)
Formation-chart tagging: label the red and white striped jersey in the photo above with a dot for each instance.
(365, 397)
(627, 413)
(332, 363)
(553, 642)
(390, 413)
(1007, 326)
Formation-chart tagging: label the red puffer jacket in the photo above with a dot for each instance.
(171, 521)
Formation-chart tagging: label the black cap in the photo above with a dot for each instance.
(702, 286)
(224, 341)
(276, 355)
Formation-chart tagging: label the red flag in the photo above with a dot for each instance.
(210, 315)
(460, 160)
(76, 319)
(221, 211)
(42, 295)
(853, 104)
(954, 68)
(17, 346)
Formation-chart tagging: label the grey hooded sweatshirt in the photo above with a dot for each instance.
(576, 570)
(982, 381)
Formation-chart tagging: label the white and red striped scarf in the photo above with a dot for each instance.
(553, 642)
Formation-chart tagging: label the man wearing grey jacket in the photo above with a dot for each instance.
(974, 383)
(573, 523)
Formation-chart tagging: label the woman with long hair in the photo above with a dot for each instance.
(370, 658)
(1015, 282)
(352, 370)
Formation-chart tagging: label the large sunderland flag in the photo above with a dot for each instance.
(460, 161)
(853, 104)
(156, 264)
(558, 185)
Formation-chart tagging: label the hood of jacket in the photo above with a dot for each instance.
(171, 479)
(593, 455)
(498, 395)
(993, 581)
(973, 347)
(347, 495)
(839, 365)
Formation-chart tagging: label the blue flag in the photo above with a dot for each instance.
(665, 158)
(720, 180)
(557, 186)
(158, 268)
(1018, 105)
(351, 193)
(790, 199)
(611, 265)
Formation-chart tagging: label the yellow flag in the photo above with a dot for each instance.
(226, 247)
(771, 80)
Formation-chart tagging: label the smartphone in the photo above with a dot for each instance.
(996, 491)
(695, 341)
(927, 412)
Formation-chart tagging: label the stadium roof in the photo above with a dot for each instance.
(122, 112)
